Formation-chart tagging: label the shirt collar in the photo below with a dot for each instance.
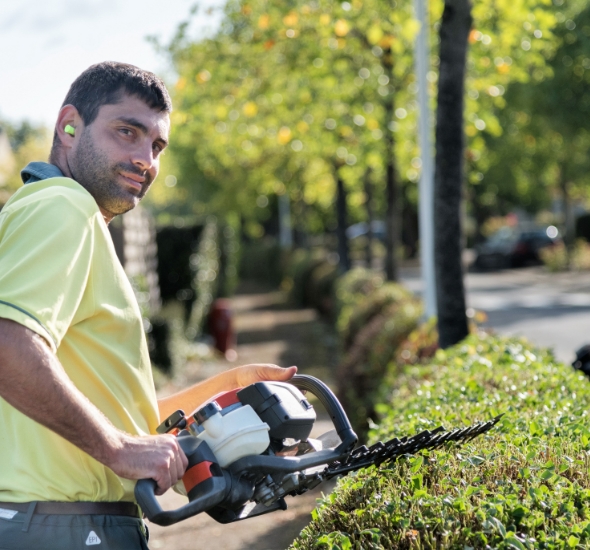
(36, 171)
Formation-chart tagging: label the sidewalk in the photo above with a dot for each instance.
(269, 331)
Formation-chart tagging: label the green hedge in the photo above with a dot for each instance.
(524, 485)
(375, 318)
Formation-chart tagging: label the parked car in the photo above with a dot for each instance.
(515, 247)
(362, 228)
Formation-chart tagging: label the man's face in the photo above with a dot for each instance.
(118, 155)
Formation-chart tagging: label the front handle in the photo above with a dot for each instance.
(217, 487)
(145, 493)
(332, 406)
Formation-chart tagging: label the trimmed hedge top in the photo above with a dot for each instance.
(526, 484)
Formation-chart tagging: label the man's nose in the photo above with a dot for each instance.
(143, 156)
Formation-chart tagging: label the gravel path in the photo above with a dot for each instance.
(269, 331)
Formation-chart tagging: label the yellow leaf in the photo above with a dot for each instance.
(386, 41)
(503, 68)
(372, 124)
(345, 131)
(302, 127)
(305, 9)
(284, 135)
(264, 21)
(250, 109)
(374, 34)
(181, 83)
(291, 19)
(325, 19)
(220, 111)
(203, 76)
(341, 27)
(246, 9)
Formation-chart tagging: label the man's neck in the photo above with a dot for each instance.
(62, 164)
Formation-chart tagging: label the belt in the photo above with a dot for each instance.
(77, 508)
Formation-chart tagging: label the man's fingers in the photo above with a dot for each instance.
(249, 374)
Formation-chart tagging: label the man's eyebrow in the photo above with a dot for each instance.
(140, 126)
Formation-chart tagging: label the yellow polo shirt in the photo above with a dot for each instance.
(60, 277)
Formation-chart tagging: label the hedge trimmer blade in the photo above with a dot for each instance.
(380, 453)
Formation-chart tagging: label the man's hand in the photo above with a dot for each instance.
(157, 457)
(249, 374)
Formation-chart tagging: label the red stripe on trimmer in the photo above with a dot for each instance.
(196, 474)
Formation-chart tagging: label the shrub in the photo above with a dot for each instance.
(298, 274)
(368, 307)
(361, 373)
(319, 291)
(262, 261)
(556, 258)
(524, 485)
(375, 317)
(351, 289)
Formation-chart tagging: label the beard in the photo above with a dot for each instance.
(93, 170)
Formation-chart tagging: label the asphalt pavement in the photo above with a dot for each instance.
(550, 309)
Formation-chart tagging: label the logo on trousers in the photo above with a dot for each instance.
(92, 539)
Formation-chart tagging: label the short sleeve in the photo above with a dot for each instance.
(46, 246)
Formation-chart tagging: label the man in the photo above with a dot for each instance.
(77, 403)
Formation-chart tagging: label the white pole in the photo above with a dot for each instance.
(285, 234)
(426, 186)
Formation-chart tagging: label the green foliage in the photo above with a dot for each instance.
(557, 258)
(374, 319)
(262, 260)
(207, 265)
(27, 143)
(212, 265)
(351, 289)
(288, 94)
(524, 485)
(542, 148)
(300, 268)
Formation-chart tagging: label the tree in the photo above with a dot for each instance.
(448, 179)
(296, 99)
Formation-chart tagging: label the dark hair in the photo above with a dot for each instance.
(105, 83)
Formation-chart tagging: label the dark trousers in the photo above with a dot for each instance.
(71, 532)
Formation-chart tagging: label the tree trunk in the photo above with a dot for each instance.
(342, 217)
(448, 179)
(391, 193)
(370, 218)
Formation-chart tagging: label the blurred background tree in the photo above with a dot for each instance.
(312, 100)
(20, 143)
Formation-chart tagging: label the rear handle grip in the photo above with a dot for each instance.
(332, 405)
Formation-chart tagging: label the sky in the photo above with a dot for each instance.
(46, 44)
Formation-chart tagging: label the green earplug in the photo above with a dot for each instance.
(70, 130)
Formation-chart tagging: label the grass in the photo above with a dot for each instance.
(524, 485)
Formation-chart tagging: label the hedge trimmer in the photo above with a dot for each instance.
(250, 447)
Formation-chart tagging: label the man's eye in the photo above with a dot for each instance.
(126, 131)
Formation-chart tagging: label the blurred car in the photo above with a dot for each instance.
(362, 228)
(515, 247)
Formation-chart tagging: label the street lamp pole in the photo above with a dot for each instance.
(426, 186)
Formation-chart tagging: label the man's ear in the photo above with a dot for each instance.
(68, 126)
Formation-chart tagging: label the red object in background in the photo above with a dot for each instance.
(221, 327)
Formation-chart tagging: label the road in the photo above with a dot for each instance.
(551, 310)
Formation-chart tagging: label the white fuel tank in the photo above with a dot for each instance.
(236, 434)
